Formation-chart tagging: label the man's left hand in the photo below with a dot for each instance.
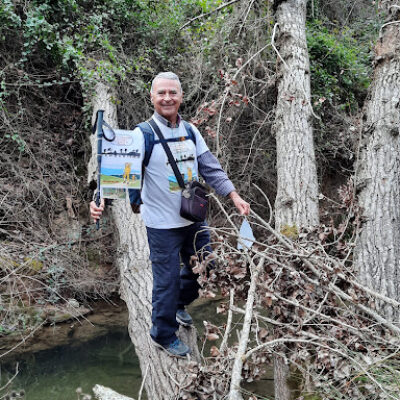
(242, 206)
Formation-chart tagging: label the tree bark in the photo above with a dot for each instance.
(377, 253)
(296, 202)
(164, 376)
(297, 193)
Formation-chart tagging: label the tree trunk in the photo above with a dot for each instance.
(377, 253)
(296, 202)
(164, 376)
(297, 193)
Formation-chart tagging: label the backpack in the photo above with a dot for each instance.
(149, 142)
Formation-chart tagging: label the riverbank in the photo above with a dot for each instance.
(66, 327)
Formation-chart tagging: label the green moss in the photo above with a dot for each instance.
(290, 232)
(312, 396)
(33, 264)
(8, 263)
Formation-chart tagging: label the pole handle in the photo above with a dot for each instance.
(99, 129)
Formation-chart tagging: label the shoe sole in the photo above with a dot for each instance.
(166, 351)
(185, 324)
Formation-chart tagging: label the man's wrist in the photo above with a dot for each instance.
(234, 195)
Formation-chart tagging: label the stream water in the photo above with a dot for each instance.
(109, 360)
(56, 374)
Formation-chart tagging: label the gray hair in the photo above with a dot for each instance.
(166, 75)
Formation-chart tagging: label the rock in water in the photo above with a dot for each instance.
(103, 393)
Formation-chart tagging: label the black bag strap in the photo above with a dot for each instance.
(112, 131)
(168, 152)
(103, 123)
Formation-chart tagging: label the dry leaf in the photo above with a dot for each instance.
(214, 352)
(212, 336)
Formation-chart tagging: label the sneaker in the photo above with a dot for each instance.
(175, 349)
(183, 318)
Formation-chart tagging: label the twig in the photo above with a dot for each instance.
(173, 379)
(258, 316)
(245, 18)
(23, 340)
(207, 14)
(229, 321)
(11, 379)
(252, 142)
(271, 213)
(143, 381)
(226, 214)
(226, 94)
(388, 23)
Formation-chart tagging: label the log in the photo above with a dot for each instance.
(164, 376)
(103, 393)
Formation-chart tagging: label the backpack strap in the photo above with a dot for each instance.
(148, 135)
(190, 132)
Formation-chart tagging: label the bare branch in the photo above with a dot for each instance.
(209, 13)
(234, 393)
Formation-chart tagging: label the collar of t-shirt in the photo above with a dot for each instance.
(165, 122)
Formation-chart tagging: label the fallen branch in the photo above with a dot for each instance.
(236, 376)
(307, 260)
(229, 321)
(104, 393)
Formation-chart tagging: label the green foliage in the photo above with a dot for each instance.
(15, 137)
(340, 66)
(8, 17)
(106, 39)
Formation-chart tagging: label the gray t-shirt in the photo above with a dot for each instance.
(161, 194)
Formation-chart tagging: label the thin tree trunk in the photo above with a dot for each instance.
(377, 253)
(164, 376)
(296, 203)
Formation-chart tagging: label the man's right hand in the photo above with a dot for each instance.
(95, 211)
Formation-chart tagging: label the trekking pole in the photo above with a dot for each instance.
(99, 129)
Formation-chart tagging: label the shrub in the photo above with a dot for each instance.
(340, 66)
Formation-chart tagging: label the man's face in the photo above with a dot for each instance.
(166, 98)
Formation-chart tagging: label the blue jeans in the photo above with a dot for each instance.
(174, 287)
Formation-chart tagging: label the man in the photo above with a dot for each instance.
(171, 238)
